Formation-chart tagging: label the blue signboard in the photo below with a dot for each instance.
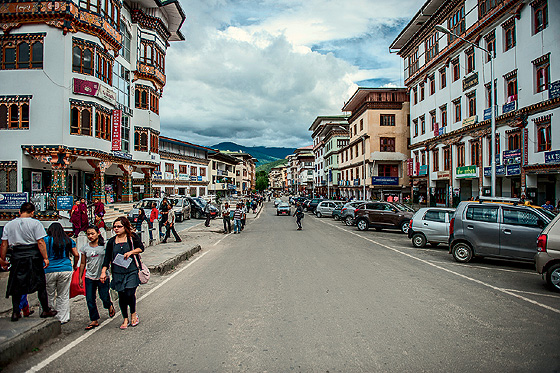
(552, 157)
(330, 175)
(64, 202)
(356, 182)
(488, 113)
(12, 201)
(512, 156)
(510, 106)
(122, 154)
(193, 178)
(554, 90)
(384, 180)
(423, 170)
(513, 169)
(157, 175)
(500, 170)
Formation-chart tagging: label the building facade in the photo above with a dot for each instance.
(223, 178)
(79, 98)
(451, 89)
(374, 163)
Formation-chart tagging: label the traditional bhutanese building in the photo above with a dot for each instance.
(80, 87)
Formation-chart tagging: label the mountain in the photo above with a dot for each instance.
(268, 166)
(262, 153)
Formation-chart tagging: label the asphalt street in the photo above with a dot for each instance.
(327, 298)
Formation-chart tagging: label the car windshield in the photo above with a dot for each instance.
(403, 207)
(548, 214)
(284, 204)
(199, 201)
(146, 203)
(178, 202)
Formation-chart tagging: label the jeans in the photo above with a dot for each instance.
(227, 225)
(58, 291)
(237, 225)
(171, 229)
(93, 286)
(150, 229)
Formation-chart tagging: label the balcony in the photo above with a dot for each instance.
(151, 73)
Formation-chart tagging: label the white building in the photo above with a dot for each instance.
(79, 95)
(450, 90)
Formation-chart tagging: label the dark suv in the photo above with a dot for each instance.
(380, 215)
(313, 204)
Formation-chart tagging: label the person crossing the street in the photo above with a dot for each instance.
(299, 215)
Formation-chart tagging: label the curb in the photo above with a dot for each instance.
(27, 341)
(170, 264)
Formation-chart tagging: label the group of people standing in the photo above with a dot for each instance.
(44, 261)
(167, 220)
(80, 219)
(239, 214)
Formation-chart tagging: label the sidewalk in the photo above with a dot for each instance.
(27, 334)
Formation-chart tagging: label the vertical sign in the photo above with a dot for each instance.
(409, 167)
(525, 146)
(116, 133)
(436, 129)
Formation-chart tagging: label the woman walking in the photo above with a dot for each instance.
(154, 213)
(93, 255)
(226, 218)
(119, 254)
(59, 272)
(141, 217)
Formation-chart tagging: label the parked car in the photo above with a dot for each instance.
(312, 205)
(283, 208)
(197, 208)
(347, 212)
(381, 215)
(295, 200)
(326, 208)
(181, 208)
(430, 225)
(502, 230)
(547, 259)
(337, 212)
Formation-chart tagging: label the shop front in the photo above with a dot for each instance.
(468, 182)
(442, 196)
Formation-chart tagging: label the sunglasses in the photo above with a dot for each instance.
(117, 226)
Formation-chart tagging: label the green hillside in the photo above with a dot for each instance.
(268, 166)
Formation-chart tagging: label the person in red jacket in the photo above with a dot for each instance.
(153, 216)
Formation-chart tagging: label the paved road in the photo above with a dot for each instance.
(328, 298)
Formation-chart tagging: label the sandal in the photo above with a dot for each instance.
(111, 311)
(123, 326)
(134, 323)
(92, 326)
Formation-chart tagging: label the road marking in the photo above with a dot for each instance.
(88, 334)
(533, 293)
(221, 239)
(488, 268)
(501, 290)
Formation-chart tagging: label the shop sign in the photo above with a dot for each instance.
(525, 146)
(441, 131)
(554, 90)
(417, 169)
(199, 178)
(466, 172)
(510, 106)
(231, 186)
(436, 129)
(13, 201)
(183, 177)
(470, 81)
(36, 181)
(193, 178)
(116, 132)
(488, 113)
(500, 170)
(89, 88)
(423, 170)
(356, 182)
(120, 154)
(443, 174)
(157, 175)
(409, 167)
(64, 202)
(552, 157)
(512, 156)
(513, 169)
(384, 180)
(168, 175)
(470, 120)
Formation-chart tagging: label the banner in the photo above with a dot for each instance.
(89, 88)
(116, 132)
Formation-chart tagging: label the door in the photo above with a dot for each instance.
(376, 213)
(519, 231)
(480, 228)
(435, 226)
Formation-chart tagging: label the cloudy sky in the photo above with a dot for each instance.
(258, 72)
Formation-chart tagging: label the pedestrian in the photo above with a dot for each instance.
(244, 215)
(99, 208)
(208, 212)
(79, 217)
(141, 218)
(58, 274)
(92, 257)
(28, 261)
(119, 255)
(299, 215)
(154, 214)
(254, 206)
(237, 214)
(170, 228)
(548, 206)
(164, 211)
(99, 222)
(226, 218)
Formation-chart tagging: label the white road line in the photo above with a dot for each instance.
(501, 290)
(533, 293)
(88, 334)
(221, 239)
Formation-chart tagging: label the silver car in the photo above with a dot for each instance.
(430, 225)
(325, 208)
(547, 259)
(347, 212)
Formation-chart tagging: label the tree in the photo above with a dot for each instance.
(262, 181)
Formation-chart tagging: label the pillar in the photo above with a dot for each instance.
(148, 191)
(59, 184)
(127, 188)
(98, 185)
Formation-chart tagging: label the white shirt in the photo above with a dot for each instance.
(23, 231)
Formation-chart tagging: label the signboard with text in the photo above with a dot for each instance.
(466, 172)
(423, 170)
(510, 106)
(409, 167)
(554, 90)
(500, 170)
(512, 156)
(470, 120)
(384, 180)
(13, 201)
(552, 157)
(513, 169)
(89, 88)
(64, 202)
(488, 113)
(157, 175)
(116, 131)
(470, 81)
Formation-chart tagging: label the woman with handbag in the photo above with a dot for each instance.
(93, 255)
(59, 272)
(120, 253)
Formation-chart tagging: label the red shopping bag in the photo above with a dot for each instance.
(75, 288)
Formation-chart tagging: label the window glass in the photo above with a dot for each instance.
(435, 215)
(519, 217)
(482, 213)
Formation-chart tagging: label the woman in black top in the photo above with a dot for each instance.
(125, 279)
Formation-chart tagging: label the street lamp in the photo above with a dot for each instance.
(492, 106)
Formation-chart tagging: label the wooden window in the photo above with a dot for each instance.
(202, 171)
(154, 102)
(415, 94)
(104, 68)
(431, 46)
(82, 59)
(433, 120)
(475, 152)
(432, 83)
(543, 136)
(490, 45)
(91, 5)
(456, 23)
(154, 142)
(423, 124)
(387, 144)
(141, 94)
(457, 110)
(415, 123)
(140, 139)
(509, 34)
(194, 171)
(542, 73)
(514, 140)
(490, 148)
(446, 158)
(387, 119)
(469, 54)
(485, 6)
(540, 15)
(435, 160)
(21, 51)
(80, 119)
(511, 87)
(102, 125)
(422, 92)
(423, 154)
(388, 170)
(14, 113)
(183, 168)
(169, 167)
(471, 100)
(151, 55)
(125, 133)
(361, 124)
(442, 78)
(456, 69)
(460, 155)
(413, 65)
(443, 115)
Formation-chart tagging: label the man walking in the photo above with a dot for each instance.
(299, 215)
(170, 227)
(237, 214)
(207, 211)
(164, 211)
(28, 262)
(226, 218)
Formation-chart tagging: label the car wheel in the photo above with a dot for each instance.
(179, 218)
(404, 227)
(336, 217)
(197, 214)
(418, 240)
(349, 221)
(553, 277)
(319, 215)
(362, 225)
(462, 252)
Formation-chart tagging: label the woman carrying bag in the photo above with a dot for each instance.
(120, 253)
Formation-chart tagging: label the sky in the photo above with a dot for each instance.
(258, 72)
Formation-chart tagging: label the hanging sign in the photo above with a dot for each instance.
(116, 131)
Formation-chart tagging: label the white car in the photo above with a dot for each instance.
(277, 201)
